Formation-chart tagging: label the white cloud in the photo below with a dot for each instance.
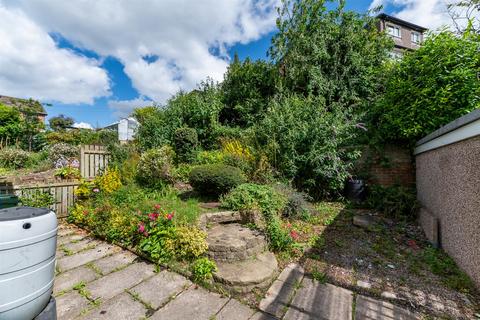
(432, 14)
(181, 33)
(82, 125)
(123, 108)
(32, 66)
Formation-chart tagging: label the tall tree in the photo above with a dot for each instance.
(333, 53)
(60, 122)
(465, 15)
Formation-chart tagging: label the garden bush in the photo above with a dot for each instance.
(203, 269)
(109, 181)
(210, 157)
(14, 158)
(395, 201)
(60, 153)
(155, 166)
(190, 242)
(186, 143)
(297, 204)
(215, 179)
(37, 199)
(253, 197)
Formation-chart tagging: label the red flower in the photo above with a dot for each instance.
(153, 216)
(157, 206)
(170, 216)
(412, 244)
(141, 227)
(294, 235)
(289, 225)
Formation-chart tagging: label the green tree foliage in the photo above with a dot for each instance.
(430, 87)
(246, 90)
(186, 143)
(309, 143)
(335, 54)
(60, 122)
(10, 124)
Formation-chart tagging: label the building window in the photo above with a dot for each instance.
(394, 31)
(415, 37)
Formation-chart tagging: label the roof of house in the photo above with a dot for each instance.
(23, 104)
(387, 17)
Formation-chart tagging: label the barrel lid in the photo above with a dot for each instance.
(19, 213)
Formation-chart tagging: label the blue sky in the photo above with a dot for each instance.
(94, 61)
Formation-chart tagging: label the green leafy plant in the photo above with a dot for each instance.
(298, 205)
(109, 181)
(215, 179)
(155, 166)
(190, 242)
(186, 143)
(395, 201)
(203, 269)
(14, 158)
(37, 199)
(68, 172)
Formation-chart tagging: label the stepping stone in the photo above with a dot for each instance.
(262, 316)
(70, 238)
(234, 310)
(78, 259)
(196, 304)
(372, 309)
(320, 301)
(66, 280)
(293, 274)
(122, 307)
(234, 242)
(277, 298)
(70, 305)
(115, 261)
(114, 283)
(248, 274)
(159, 289)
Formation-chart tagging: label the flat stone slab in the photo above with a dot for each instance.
(277, 298)
(159, 289)
(250, 273)
(70, 305)
(234, 310)
(66, 280)
(320, 301)
(86, 243)
(293, 274)
(364, 221)
(114, 283)
(193, 303)
(76, 260)
(122, 307)
(115, 261)
(372, 309)
(262, 316)
(70, 238)
(234, 242)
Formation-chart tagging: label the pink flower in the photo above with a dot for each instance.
(157, 206)
(170, 216)
(294, 235)
(153, 216)
(141, 227)
(96, 190)
(289, 225)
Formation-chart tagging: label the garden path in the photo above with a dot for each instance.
(97, 280)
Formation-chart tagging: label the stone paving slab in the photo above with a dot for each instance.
(159, 289)
(277, 298)
(198, 304)
(372, 309)
(70, 238)
(70, 305)
(86, 243)
(293, 274)
(320, 301)
(76, 260)
(115, 261)
(115, 283)
(262, 316)
(234, 310)
(122, 307)
(66, 280)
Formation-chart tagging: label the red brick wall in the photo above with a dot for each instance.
(389, 166)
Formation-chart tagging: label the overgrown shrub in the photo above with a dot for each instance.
(190, 242)
(395, 201)
(203, 269)
(210, 157)
(181, 172)
(215, 179)
(62, 152)
(297, 205)
(250, 196)
(37, 199)
(186, 143)
(14, 158)
(155, 166)
(109, 181)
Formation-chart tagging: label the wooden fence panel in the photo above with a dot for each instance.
(93, 159)
(63, 193)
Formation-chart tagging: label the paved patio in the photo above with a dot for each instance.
(97, 280)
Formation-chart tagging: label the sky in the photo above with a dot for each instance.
(97, 60)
